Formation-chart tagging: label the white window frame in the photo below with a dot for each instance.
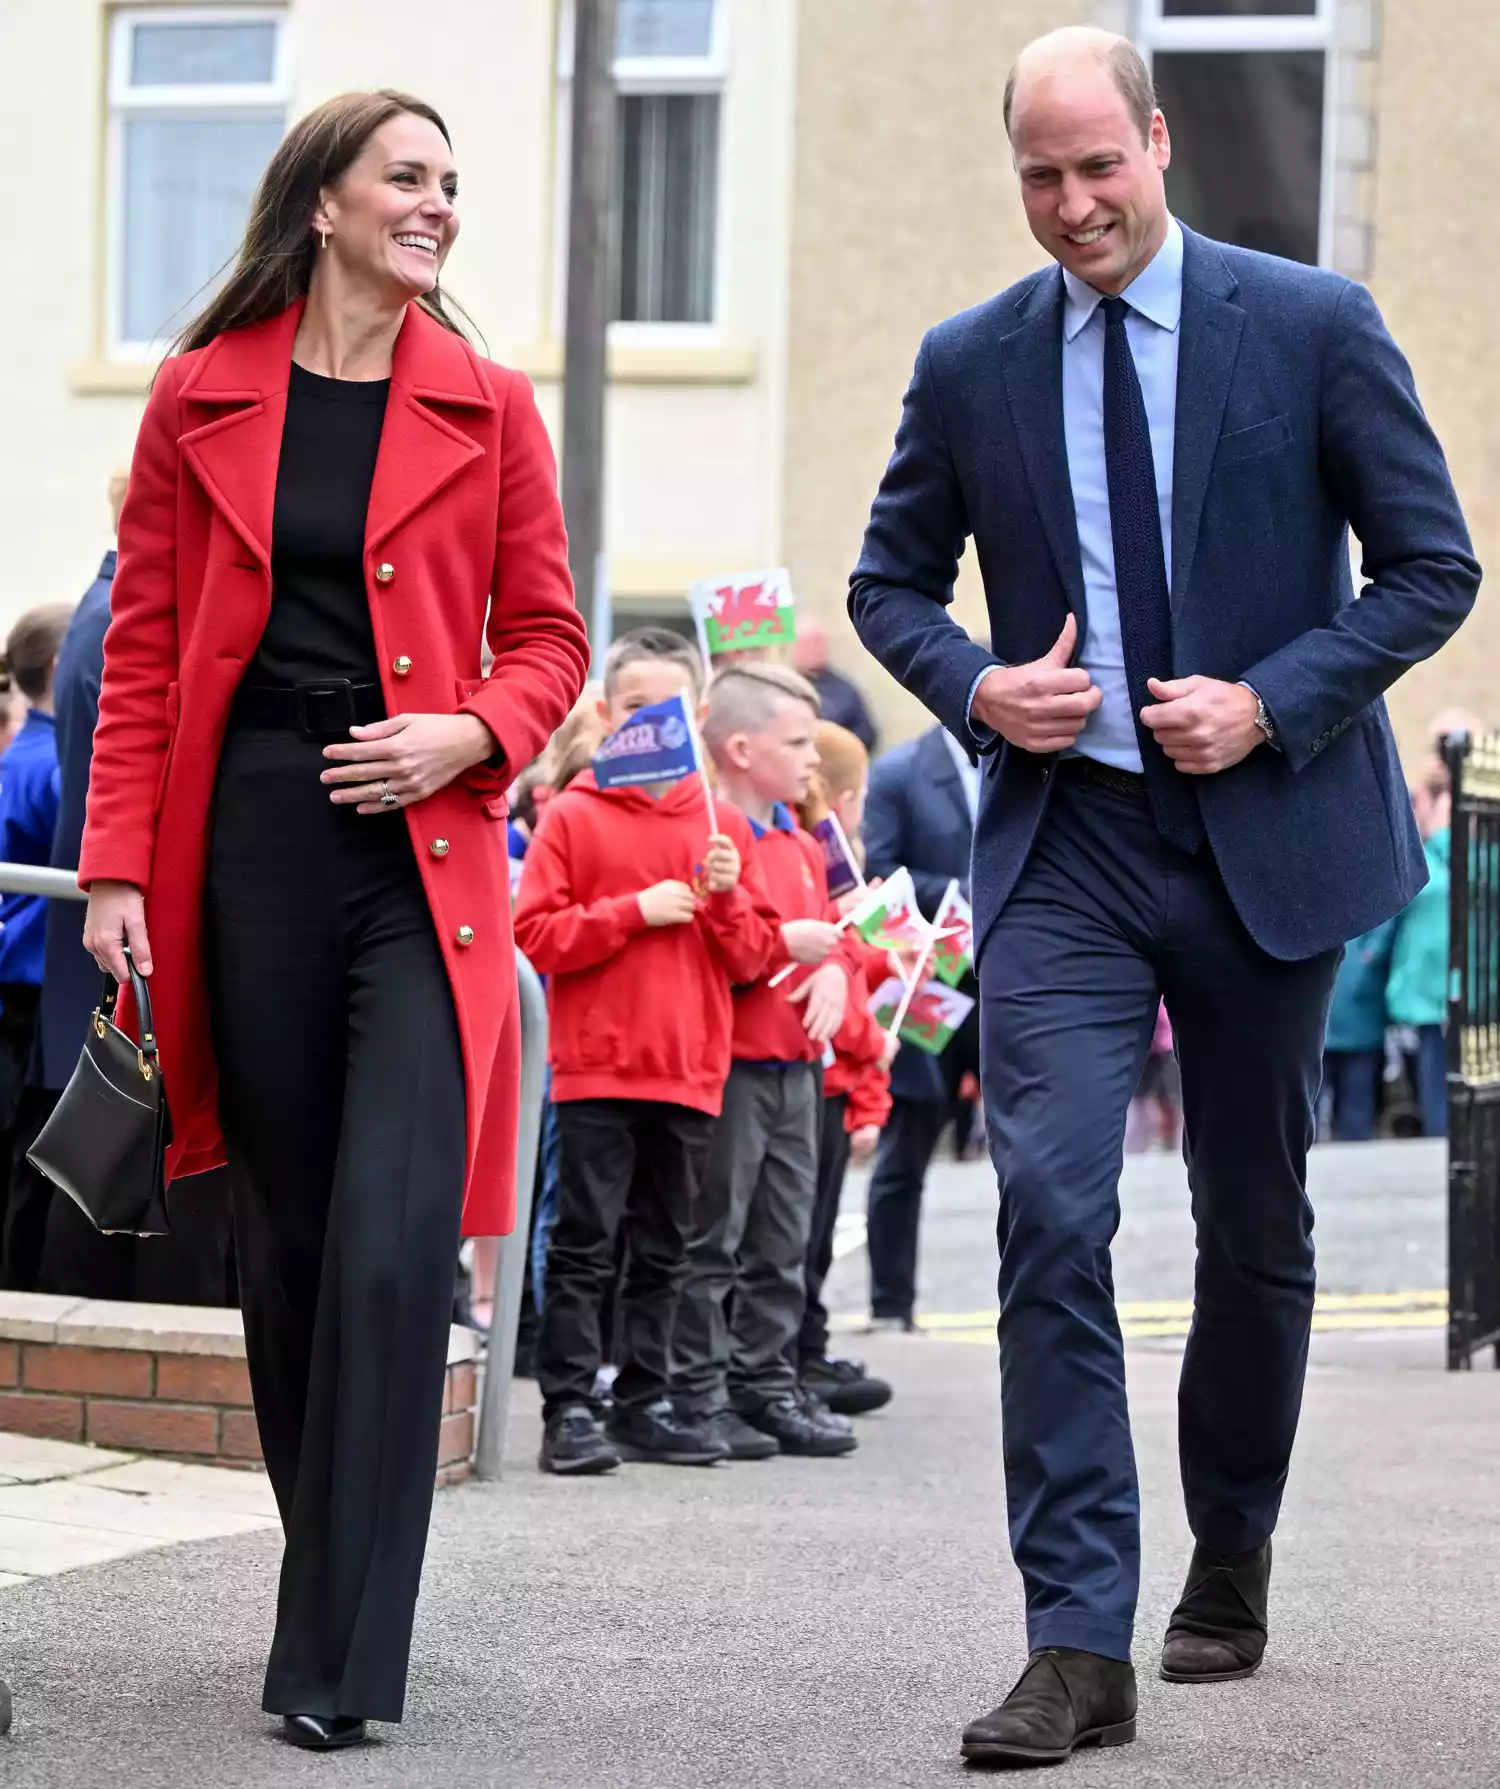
(1314, 31)
(123, 100)
(644, 75)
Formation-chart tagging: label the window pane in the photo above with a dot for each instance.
(188, 182)
(667, 182)
(1247, 145)
(1239, 9)
(202, 55)
(664, 27)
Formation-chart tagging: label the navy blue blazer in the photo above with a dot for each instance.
(916, 815)
(1297, 421)
(71, 979)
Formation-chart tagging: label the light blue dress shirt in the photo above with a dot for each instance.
(1152, 324)
(1155, 300)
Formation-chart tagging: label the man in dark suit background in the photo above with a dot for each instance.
(919, 812)
(1190, 789)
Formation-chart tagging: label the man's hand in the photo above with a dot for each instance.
(809, 940)
(1043, 706)
(721, 864)
(826, 994)
(667, 904)
(1202, 724)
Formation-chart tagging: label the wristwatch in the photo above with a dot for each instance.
(1263, 717)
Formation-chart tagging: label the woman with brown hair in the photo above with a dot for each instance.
(299, 785)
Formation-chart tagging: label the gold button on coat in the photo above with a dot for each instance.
(384, 572)
(402, 666)
(466, 934)
(439, 847)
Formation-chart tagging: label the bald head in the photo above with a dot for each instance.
(1076, 49)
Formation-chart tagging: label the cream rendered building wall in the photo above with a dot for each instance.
(694, 431)
(1435, 272)
(906, 211)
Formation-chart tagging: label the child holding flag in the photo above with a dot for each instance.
(743, 1300)
(642, 910)
(856, 1079)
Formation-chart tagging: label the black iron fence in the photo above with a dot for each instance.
(1474, 1051)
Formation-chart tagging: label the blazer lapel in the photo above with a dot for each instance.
(421, 449)
(234, 399)
(1211, 329)
(1032, 358)
(943, 774)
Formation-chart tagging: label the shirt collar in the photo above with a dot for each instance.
(962, 762)
(107, 564)
(1156, 291)
(782, 818)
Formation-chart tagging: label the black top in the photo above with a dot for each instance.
(320, 615)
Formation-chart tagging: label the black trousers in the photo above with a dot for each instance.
(629, 1173)
(193, 1265)
(342, 1098)
(833, 1164)
(894, 1203)
(24, 1194)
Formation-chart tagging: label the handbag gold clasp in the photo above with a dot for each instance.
(98, 1023)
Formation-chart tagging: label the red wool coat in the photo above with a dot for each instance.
(463, 512)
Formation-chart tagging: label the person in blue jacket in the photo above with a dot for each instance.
(1417, 987)
(1354, 1051)
(28, 813)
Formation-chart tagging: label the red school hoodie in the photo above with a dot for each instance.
(638, 1011)
(857, 1048)
(767, 1027)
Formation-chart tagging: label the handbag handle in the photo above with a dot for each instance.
(110, 997)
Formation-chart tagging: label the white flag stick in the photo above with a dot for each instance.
(701, 762)
(894, 1029)
(701, 627)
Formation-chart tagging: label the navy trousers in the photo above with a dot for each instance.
(1105, 919)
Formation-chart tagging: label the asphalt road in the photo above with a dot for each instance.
(833, 1623)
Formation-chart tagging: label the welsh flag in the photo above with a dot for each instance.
(890, 918)
(749, 609)
(933, 1014)
(953, 947)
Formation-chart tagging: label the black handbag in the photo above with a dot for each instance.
(106, 1142)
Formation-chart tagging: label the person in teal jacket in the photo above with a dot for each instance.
(1354, 1049)
(1416, 991)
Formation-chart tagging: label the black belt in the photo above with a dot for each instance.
(322, 710)
(1131, 783)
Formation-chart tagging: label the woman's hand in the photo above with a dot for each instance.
(117, 917)
(413, 755)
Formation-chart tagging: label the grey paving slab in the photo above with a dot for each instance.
(823, 1622)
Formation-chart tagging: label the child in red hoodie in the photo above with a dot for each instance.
(641, 922)
(742, 1302)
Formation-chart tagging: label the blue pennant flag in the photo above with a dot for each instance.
(656, 745)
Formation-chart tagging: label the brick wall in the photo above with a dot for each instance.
(159, 1400)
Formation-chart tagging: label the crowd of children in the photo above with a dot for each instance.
(713, 1068)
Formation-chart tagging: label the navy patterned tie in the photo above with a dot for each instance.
(1141, 574)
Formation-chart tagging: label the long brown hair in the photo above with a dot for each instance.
(275, 261)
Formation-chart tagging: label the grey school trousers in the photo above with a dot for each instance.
(745, 1291)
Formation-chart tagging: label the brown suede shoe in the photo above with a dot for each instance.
(1065, 1699)
(1218, 1630)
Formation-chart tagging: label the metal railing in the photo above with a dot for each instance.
(510, 1272)
(1473, 1049)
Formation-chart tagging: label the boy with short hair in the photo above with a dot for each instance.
(641, 922)
(733, 1368)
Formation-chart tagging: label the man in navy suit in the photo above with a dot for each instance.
(1159, 448)
(919, 813)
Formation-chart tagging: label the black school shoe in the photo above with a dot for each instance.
(574, 1445)
(1218, 1630)
(322, 1733)
(656, 1434)
(800, 1425)
(1065, 1699)
(844, 1385)
(743, 1442)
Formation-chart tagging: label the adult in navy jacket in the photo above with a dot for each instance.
(917, 814)
(1159, 449)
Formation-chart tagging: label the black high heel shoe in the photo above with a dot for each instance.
(322, 1733)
